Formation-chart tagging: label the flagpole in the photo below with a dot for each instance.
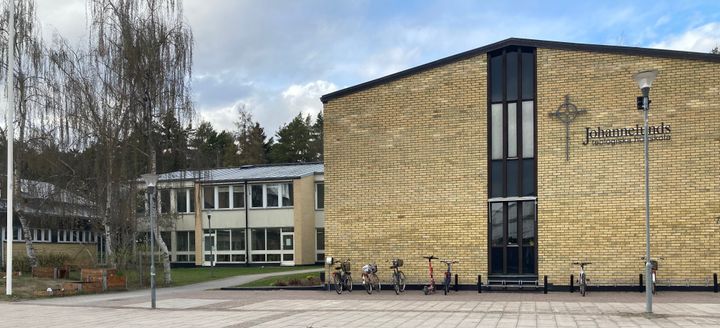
(10, 136)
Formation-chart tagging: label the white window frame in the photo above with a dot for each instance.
(174, 197)
(232, 195)
(217, 197)
(42, 235)
(159, 201)
(267, 252)
(248, 198)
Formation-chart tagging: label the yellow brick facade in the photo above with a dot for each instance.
(406, 169)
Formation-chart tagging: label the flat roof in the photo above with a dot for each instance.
(623, 50)
(256, 172)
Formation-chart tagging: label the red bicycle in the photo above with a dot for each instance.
(431, 287)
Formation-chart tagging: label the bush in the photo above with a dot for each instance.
(21, 263)
(54, 260)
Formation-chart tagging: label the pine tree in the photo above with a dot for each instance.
(250, 138)
(293, 142)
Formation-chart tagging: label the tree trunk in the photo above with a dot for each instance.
(110, 256)
(167, 271)
(27, 234)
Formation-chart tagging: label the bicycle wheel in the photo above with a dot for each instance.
(446, 285)
(368, 284)
(338, 283)
(401, 281)
(348, 283)
(583, 285)
(376, 282)
(426, 290)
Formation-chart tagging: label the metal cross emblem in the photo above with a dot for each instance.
(566, 113)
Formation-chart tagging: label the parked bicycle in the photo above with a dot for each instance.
(654, 269)
(398, 277)
(370, 278)
(342, 277)
(582, 280)
(448, 275)
(430, 288)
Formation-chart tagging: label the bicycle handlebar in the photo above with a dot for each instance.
(431, 257)
(449, 261)
(582, 263)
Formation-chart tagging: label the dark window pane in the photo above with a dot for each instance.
(257, 195)
(513, 259)
(258, 258)
(497, 228)
(258, 239)
(192, 201)
(209, 197)
(223, 197)
(209, 242)
(511, 62)
(497, 260)
(223, 258)
(528, 223)
(167, 238)
(496, 81)
(238, 258)
(238, 197)
(181, 200)
(320, 237)
(182, 241)
(191, 241)
(512, 219)
(513, 176)
(165, 201)
(496, 178)
(287, 194)
(272, 195)
(529, 177)
(528, 259)
(528, 75)
(223, 240)
(287, 257)
(273, 239)
(320, 195)
(273, 257)
(182, 258)
(238, 240)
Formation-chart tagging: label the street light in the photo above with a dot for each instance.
(644, 80)
(151, 181)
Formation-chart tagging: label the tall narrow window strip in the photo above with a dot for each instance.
(287, 194)
(320, 196)
(181, 200)
(528, 129)
(238, 197)
(496, 80)
(272, 195)
(223, 197)
(497, 131)
(164, 200)
(209, 197)
(511, 62)
(512, 130)
(528, 75)
(257, 195)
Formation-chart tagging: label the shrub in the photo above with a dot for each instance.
(55, 260)
(295, 282)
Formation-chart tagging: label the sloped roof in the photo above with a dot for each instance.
(248, 172)
(636, 51)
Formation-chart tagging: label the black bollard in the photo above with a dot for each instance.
(640, 289)
(572, 282)
(715, 283)
(456, 282)
(480, 284)
(545, 286)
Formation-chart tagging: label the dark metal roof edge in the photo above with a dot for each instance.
(636, 51)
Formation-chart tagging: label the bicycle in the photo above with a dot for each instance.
(370, 278)
(342, 277)
(582, 279)
(431, 287)
(654, 264)
(398, 277)
(448, 274)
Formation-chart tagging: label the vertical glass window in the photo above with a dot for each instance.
(319, 196)
(496, 179)
(528, 183)
(258, 239)
(209, 197)
(528, 129)
(320, 238)
(496, 128)
(238, 239)
(238, 197)
(528, 75)
(164, 200)
(513, 177)
(528, 223)
(511, 62)
(272, 195)
(273, 239)
(181, 200)
(512, 223)
(182, 241)
(498, 227)
(496, 78)
(223, 197)
(191, 195)
(191, 241)
(287, 194)
(512, 130)
(223, 240)
(257, 195)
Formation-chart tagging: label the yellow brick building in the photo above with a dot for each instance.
(467, 158)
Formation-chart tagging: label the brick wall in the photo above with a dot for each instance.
(406, 169)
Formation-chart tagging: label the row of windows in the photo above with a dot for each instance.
(58, 236)
(233, 197)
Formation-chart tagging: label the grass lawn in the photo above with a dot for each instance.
(186, 276)
(284, 280)
(24, 286)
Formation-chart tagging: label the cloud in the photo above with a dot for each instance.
(702, 39)
(305, 98)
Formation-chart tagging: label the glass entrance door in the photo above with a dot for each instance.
(288, 248)
(209, 248)
(512, 249)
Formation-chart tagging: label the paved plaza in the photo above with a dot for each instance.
(191, 307)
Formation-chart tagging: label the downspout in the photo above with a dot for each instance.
(247, 228)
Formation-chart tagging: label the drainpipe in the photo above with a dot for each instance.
(247, 229)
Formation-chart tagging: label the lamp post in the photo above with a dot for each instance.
(151, 181)
(644, 80)
(212, 247)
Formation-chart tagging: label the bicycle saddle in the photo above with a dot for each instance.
(431, 257)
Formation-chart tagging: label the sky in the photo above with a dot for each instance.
(276, 58)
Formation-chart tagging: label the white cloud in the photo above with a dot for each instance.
(305, 98)
(701, 39)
